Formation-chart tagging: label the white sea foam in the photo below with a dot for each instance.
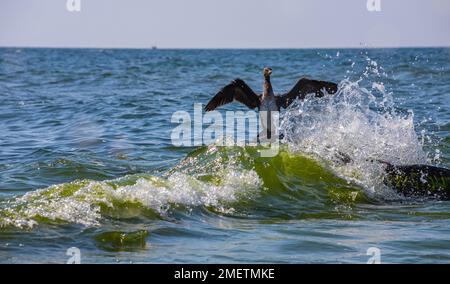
(354, 124)
(83, 205)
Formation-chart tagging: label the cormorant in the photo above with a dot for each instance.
(239, 91)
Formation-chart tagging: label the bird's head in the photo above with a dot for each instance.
(267, 71)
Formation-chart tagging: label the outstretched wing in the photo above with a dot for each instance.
(304, 87)
(237, 90)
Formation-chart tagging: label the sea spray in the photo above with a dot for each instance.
(357, 125)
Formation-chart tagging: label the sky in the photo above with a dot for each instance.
(225, 23)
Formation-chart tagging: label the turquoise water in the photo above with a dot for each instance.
(86, 158)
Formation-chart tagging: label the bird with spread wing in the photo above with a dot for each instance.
(239, 91)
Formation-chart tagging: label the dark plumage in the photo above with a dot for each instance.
(239, 91)
(306, 86)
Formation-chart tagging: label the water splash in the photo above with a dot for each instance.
(351, 129)
(357, 124)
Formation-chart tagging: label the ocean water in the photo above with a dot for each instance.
(86, 158)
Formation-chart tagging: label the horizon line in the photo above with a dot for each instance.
(155, 47)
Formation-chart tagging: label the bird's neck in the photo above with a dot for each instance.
(267, 89)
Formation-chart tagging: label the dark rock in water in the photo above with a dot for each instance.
(419, 180)
(413, 180)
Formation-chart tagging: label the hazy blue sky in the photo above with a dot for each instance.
(225, 23)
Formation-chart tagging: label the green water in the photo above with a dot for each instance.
(86, 159)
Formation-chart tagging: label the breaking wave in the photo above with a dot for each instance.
(326, 165)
